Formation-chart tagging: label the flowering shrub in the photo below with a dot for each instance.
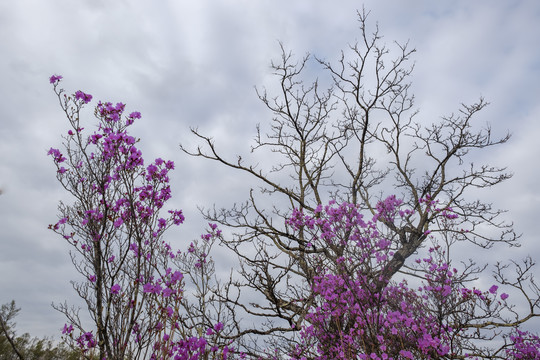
(359, 314)
(116, 228)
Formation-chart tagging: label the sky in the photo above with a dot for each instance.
(186, 64)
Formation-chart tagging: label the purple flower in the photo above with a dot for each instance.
(92, 278)
(115, 289)
(504, 296)
(162, 223)
(167, 292)
(169, 165)
(177, 276)
(53, 79)
(178, 218)
(58, 157)
(67, 329)
(148, 288)
(406, 353)
(218, 327)
(86, 98)
(383, 244)
(493, 289)
(135, 115)
(118, 222)
(95, 138)
(151, 169)
(133, 247)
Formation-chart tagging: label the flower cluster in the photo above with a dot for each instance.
(55, 79)
(354, 320)
(85, 98)
(357, 315)
(525, 345)
(110, 113)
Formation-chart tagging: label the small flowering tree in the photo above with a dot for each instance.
(115, 226)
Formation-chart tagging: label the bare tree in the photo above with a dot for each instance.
(357, 140)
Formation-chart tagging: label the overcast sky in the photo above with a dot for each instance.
(195, 64)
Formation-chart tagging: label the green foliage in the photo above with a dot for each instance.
(27, 347)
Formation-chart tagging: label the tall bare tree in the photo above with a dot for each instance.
(357, 140)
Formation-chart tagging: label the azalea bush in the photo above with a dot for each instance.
(131, 286)
(357, 313)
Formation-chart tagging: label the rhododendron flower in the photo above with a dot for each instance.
(167, 292)
(177, 276)
(178, 218)
(148, 287)
(115, 289)
(58, 157)
(118, 222)
(406, 354)
(170, 165)
(67, 329)
(55, 78)
(86, 98)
